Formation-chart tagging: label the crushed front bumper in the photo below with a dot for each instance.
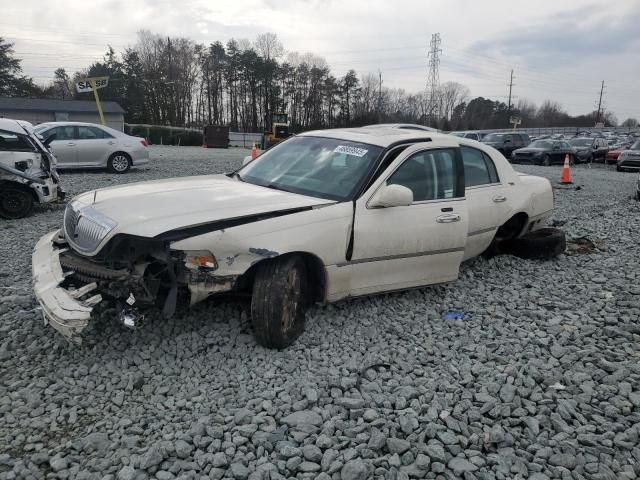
(68, 311)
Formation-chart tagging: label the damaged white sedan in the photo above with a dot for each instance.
(320, 217)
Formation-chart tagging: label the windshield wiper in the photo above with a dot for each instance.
(273, 186)
(237, 175)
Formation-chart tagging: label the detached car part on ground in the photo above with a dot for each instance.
(27, 170)
(321, 217)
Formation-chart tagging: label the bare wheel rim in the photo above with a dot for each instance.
(120, 163)
(290, 300)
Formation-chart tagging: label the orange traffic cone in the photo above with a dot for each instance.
(254, 151)
(565, 178)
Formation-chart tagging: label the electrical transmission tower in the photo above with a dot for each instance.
(433, 81)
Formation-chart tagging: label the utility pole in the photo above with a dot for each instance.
(379, 96)
(600, 103)
(509, 104)
(434, 76)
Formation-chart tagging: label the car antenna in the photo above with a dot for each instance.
(95, 192)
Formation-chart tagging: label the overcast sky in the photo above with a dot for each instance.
(559, 50)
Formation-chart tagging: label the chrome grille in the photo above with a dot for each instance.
(85, 227)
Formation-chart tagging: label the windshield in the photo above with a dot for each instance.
(540, 144)
(493, 137)
(314, 166)
(635, 146)
(581, 142)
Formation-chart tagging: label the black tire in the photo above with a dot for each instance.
(619, 168)
(15, 202)
(544, 243)
(572, 160)
(119, 162)
(546, 161)
(279, 301)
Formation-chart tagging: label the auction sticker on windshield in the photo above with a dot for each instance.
(355, 151)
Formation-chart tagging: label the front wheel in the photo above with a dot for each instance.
(15, 203)
(546, 161)
(279, 301)
(119, 163)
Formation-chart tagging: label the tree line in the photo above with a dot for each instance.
(175, 81)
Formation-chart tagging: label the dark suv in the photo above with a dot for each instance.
(506, 143)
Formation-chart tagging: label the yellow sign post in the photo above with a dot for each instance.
(97, 97)
(93, 84)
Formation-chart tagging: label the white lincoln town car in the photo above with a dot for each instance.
(322, 216)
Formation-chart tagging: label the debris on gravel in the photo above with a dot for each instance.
(540, 380)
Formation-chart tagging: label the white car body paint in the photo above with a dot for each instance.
(393, 248)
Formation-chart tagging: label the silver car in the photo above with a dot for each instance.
(88, 145)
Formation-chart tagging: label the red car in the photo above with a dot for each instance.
(612, 155)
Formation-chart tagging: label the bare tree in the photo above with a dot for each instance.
(268, 46)
(630, 122)
(550, 113)
(451, 94)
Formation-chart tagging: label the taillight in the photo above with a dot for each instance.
(144, 142)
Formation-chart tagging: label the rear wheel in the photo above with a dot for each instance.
(15, 202)
(546, 161)
(279, 301)
(119, 162)
(544, 243)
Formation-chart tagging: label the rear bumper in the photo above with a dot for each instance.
(140, 157)
(63, 309)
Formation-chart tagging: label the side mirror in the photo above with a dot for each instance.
(246, 160)
(392, 196)
(49, 139)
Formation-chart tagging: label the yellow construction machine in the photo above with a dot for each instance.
(277, 129)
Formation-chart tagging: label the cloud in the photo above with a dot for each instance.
(567, 38)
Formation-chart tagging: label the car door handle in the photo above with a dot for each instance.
(448, 218)
(111, 143)
(499, 198)
(71, 144)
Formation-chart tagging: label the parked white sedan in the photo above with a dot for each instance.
(88, 145)
(320, 217)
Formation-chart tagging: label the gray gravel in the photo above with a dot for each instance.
(540, 380)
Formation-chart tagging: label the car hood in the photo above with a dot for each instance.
(530, 150)
(150, 208)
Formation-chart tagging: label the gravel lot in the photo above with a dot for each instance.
(540, 380)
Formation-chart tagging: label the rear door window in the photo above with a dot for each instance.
(479, 169)
(91, 133)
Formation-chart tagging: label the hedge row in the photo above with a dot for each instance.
(166, 136)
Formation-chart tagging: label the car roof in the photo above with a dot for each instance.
(385, 137)
(380, 136)
(70, 124)
(14, 126)
(407, 126)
